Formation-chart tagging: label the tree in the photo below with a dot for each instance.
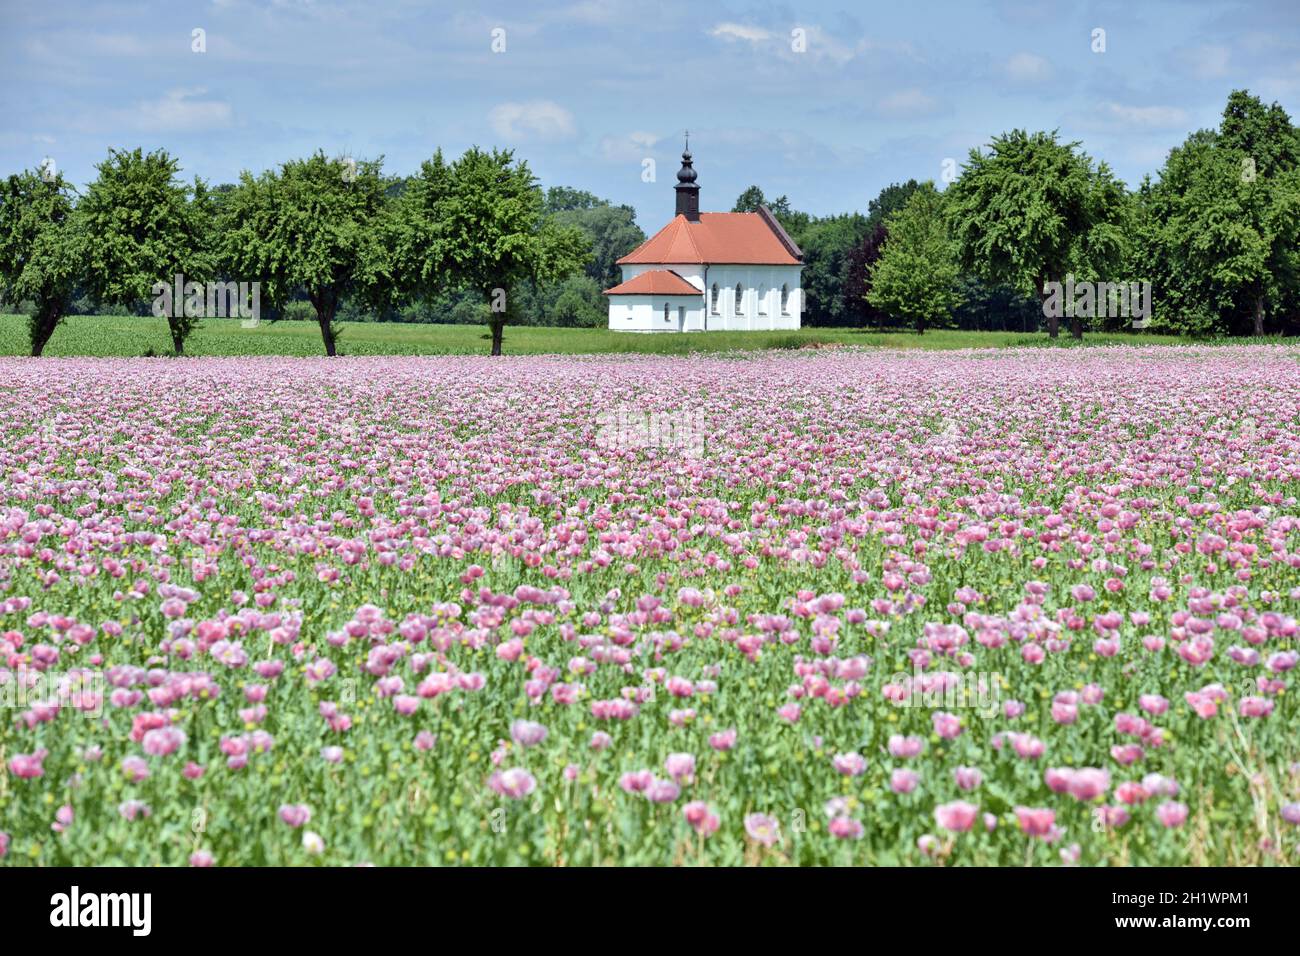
(1264, 135)
(143, 228)
(751, 200)
(611, 230)
(1231, 240)
(42, 249)
(578, 304)
(1218, 231)
(915, 278)
(890, 200)
(1027, 212)
(795, 223)
(315, 225)
(479, 224)
(862, 259)
(828, 246)
(855, 274)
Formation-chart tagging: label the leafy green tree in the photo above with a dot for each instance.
(480, 224)
(828, 246)
(317, 225)
(579, 304)
(916, 276)
(1217, 232)
(890, 200)
(857, 280)
(42, 250)
(995, 307)
(794, 222)
(144, 227)
(1033, 209)
(1230, 241)
(751, 200)
(611, 230)
(1264, 135)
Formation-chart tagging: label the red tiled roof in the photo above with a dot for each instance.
(655, 282)
(734, 238)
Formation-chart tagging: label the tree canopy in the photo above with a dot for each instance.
(42, 248)
(143, 228)
(1032, 209)
(916, 276)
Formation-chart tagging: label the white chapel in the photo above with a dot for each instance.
(711, 271)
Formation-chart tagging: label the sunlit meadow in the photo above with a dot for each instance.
(981, 607)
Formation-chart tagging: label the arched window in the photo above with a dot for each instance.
(740, 299)
(715, 303)
(785, 298)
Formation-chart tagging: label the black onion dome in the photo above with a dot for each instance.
(687, 173)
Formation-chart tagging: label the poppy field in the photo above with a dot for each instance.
(821, 606)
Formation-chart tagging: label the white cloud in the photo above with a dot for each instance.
(629, 147)
(740, 31)
(182, 109)
(534, 119)
(1027, 68)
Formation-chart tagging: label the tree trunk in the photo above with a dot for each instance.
(1053, 321)
(178, 339)
(920, 325)
(327, 333)
(1076, 327)
(1259, 316)
(498, 327)
(41, 327)
(326, 307)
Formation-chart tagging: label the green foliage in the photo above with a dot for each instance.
(792, 221)
(751, 200)
(611, 231)
(915, 279)
(995, 307)
(42, 250)
(315, 225)
(890, 200)
(480, 224)
(144, 227)
(1264, 134)
(579, 304)
(1218, 232)
(1033, 209)
(828, 245)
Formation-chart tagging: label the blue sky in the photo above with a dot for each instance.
(586, 90)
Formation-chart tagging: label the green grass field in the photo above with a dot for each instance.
(105, 335)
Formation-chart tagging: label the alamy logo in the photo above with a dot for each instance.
(1104, 300)
(103, 909)
(208, 300)
(629, 427)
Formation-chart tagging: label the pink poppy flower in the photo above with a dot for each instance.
(762, 829)
(515, 783)
(958, 816)
(1171, 814)
(295, 814)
